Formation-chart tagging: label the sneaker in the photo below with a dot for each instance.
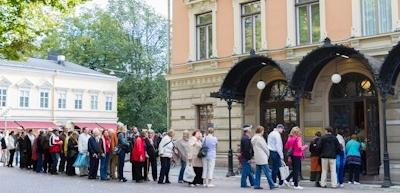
(286, 183)
(298, 188)
(258, 188)
(341, 185)
(356, 183)
(192, 185)
(292, 183)
(210, 185)
(205, 185)
(350, 182)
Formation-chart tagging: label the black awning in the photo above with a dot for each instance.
(390, 69)
(236, 81)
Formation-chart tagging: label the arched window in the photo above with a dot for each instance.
(353, 85)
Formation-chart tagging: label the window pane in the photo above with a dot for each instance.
(258, 31)
(202, 42)
(316, 33)
(385, 15)
(273, 116)
(250, 8)
(369, 15)
(293, 114)
(248, 34)
(204, 19)
(303, 25)
(209, 41)
(286, 115)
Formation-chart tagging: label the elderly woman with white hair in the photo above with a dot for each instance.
(94, 148)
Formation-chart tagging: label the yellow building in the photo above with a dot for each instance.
(313, 63)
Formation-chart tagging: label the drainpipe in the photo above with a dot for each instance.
(168, 68)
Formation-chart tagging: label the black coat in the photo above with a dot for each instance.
(94, 146)
(150, 149)
(28, 145)
(328, 146)
(314, 147)
(72, 149)
(246, 149)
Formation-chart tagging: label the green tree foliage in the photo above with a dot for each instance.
(130, 39)
(22, 22)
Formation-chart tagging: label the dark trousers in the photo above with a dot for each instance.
(153, 164)
(54, 161)
(121, 163)
(39, 162)
(133, 170)
(276, 164)
(10, 161)
(296, 166)
(22, 161)
(198, 179)
(28, 160)
(47, 162)
(165, 166)
(70, 171)
(138, 169)
(63, 159)
(93, 167)
(354, 172)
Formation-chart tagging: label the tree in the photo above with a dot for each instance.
(128, 38)
(22, 22)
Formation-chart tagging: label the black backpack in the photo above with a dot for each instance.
(3, 143)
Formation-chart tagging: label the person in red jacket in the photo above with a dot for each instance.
(54, 149)
(138, 157)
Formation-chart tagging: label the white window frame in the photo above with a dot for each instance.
(3, 98)
(24, 98)
(62, 99)
(378, 21)
(207, 26)
(109, 103)
(45, 103)
(309, 12)
(78, 102)
(94, 102)
(254, 28)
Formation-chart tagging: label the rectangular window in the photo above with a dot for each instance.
(204, 35)
(251, 26)
(376, 16)
(24, 98)
(44, 99)
(62, 100)
(94, 101)
(78, 101)
(308, 21)
(3, 97)
(205, 116)
(109, 103)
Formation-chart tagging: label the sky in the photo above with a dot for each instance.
(160, 6)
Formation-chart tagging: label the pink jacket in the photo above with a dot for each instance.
(296, 143)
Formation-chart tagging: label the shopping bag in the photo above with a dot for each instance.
(189, 175)
(82, 161)
(284, 170)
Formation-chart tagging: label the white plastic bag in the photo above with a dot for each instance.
(284, 170)
(188, 175)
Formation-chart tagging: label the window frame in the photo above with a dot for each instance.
(94, 104)
(308, 5)
(209, 121)
(78, 101)
(377, 10)
(207, 26)
(45, 103)
(3, 97)
(62, 100)
(109, 103)
(24, 100)
(242, 26)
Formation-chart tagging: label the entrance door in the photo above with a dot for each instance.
(354, 108)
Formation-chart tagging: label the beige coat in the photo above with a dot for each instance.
(195, 146)
(260, 148)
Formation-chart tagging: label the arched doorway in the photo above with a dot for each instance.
(354, 108)
(277, 106)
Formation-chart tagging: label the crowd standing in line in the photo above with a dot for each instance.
(103, 152)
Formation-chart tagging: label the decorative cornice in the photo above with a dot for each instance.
(25, 83)
(94, 91)
(4, 82)
(112, 93)
(45, 85)
(198, 81)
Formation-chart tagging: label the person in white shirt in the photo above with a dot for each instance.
(166, 150)
(11, 146)
(340, 158)
(275, 146)
(83, 149)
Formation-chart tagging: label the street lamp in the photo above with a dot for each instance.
(230, 152)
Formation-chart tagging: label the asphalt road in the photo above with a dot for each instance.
(15, 180)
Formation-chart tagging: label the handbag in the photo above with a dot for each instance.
(189, 175)
(82, 161)
(284, 170)
(203, 150)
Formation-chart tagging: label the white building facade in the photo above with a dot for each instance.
(59, 93)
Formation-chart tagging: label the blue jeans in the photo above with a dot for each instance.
(183, 166)
(103, 166)
(246, 173)
(54, 161)
(276, 164)
(267, 173)
(340, 161)
(39, 164)
(121, 163)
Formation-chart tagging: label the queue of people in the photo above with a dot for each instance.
(103, 152)
(328, 153)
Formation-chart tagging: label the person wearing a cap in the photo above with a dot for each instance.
(275, 146)
(246, 154)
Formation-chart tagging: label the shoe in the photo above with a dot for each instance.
(273, 187)
(192, 185)
(350, 182)
(205, 185)
(123, 180)
(356, 183)
(286, 183)
(210, 185)
(168, 182)
(180, 181)
(341, 185)
(161, 183)
(298, 188)
(258, 188)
